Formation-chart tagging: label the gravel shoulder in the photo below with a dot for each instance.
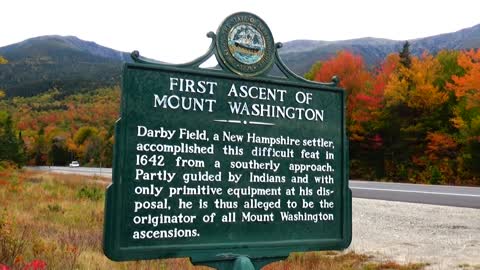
(445, 237)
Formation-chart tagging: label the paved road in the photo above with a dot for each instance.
(416, 193)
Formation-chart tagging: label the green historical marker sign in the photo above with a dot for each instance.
(224, 165)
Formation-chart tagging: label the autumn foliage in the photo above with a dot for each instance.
(412, 118)
(56, 129)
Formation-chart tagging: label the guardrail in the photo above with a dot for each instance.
(80, 170)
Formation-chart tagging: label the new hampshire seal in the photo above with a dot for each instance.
(245, 44)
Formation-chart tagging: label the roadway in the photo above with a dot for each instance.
(415, 193)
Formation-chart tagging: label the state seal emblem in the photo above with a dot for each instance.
(245, 44)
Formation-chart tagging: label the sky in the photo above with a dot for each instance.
(175, 30)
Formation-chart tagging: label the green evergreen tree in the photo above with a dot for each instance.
(405, 58)
(11, 145)
(22, 148)
(310, 75)
(40, 148)
(2, 62)
(58, 153)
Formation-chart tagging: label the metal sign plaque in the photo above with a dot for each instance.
(245, 44)
(215, 166)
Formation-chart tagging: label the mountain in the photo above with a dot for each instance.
(71, 64)
(300, 55)
(68, 63)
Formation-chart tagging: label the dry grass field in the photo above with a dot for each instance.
(53, 221)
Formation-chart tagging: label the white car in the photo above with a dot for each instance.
(74, 164)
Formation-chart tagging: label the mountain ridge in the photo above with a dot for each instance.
(72, 64)
(64, 62)
(374, 50)
(72, 42)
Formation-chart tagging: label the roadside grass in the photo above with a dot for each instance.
(467, 266)
(328, 260)
(58, 219)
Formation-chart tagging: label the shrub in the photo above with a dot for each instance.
(11, 244)
(54, 208)
(90, 192)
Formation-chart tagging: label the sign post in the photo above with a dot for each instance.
(230, 167)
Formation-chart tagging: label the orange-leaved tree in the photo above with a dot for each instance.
(357, 81)
(415, 104)
(364, 102)
(466, 88)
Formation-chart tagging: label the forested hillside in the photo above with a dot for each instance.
(414, 118)
(65, 63)
(58, 129)
(71, 65)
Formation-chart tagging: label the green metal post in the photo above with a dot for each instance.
(243, 263)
